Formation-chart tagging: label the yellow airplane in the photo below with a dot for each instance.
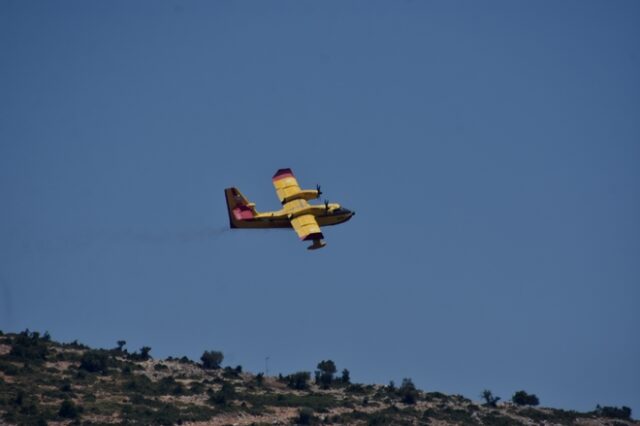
(306, 219)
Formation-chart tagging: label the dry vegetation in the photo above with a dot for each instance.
(44, 382)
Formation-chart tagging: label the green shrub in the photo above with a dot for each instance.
(168, 385)
(489, 398)
(388, 416)
(495, 419)
(324, 373)
(450, 415)
(298, 380)
(407, 392)
(356, 388)
(185, 360)
(305, 416)
(95, 361)
(346, 377)
(430, 396)
(523, 398)
(8, 368)
(65, 386)
(196, 388)
(226, 394)
(211, 360)
(143, 355)
(259, 379)
(151, 412)
(140, 385)
(167, 414)
(317, 402)
(552, 415)
(29, 346)
(230, 373)
(75, 345)
(614, 412)
(68, 410)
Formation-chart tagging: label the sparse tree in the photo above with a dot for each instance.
(392, 386)
(489, 398)
(408, 392)
(523, 398)
(144, 353)
(325, 372)
(121, 344)
(346, 377)
(211, 360)
(327, 367)
(298, 380)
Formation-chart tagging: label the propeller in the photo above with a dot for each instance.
(318, 189)
(326, 205)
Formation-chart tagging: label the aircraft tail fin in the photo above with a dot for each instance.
(239, 207)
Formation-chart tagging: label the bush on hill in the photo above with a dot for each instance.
(346, 377)
(143, 355)
(29, 346)
(226, 394)
(614, 412)
(324, 373)
(298, 380)
(95, 361)
(259, 379)
(120, 348)
(305, 416)
(408, 392)
(523, 398)
(68, 409)
(489, 398)
(211, 360)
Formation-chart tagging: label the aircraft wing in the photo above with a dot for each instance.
(306, 227)
(286, 184)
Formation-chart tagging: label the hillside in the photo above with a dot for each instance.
(45, 382)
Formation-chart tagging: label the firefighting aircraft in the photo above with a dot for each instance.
(306, 219)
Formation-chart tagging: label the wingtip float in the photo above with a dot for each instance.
(306, 219)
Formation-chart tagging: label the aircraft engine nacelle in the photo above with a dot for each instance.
(307, 194)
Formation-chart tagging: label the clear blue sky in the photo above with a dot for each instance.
(490, 149)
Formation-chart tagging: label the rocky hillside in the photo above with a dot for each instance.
(45, 382)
